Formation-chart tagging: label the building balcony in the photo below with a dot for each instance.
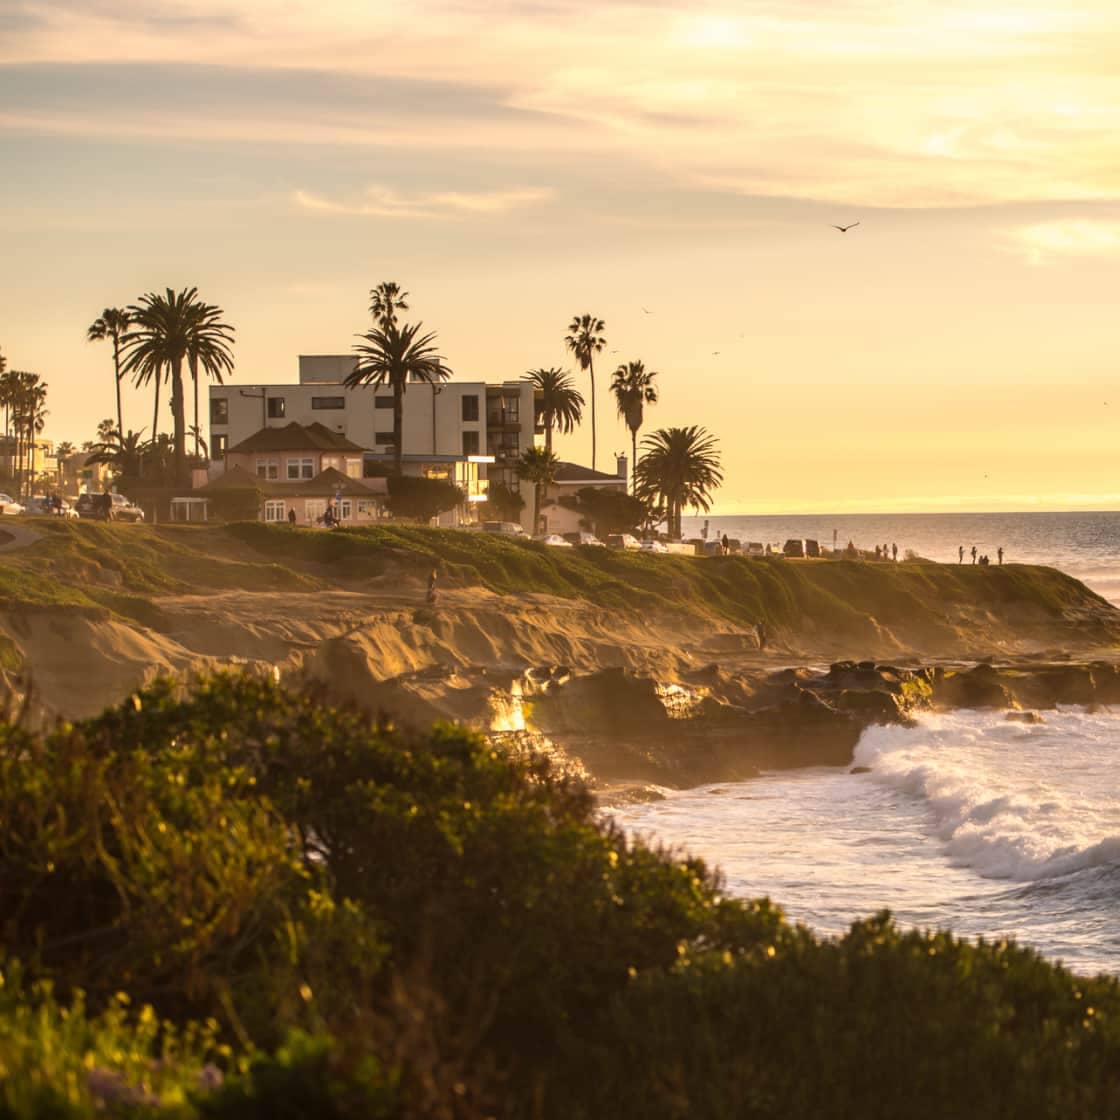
(501, 422)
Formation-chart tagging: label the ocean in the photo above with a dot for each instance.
(1086, 545)
(966, 821)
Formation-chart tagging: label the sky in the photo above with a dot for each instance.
(675, 169)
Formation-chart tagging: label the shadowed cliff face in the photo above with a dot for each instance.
(637, 666)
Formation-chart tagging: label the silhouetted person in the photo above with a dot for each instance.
(760, 630)
(851, 551)
(974, 554)
(431, 598)
(877, 555)
(107, 506)
(999, 553)
(960, 554)
(894, 553)
(726, 544)
(292, 516)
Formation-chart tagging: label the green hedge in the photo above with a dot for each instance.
(350, 920)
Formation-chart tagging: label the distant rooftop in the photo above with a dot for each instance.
(295, 437)
(573, 472)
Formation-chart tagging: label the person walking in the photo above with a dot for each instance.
(431, 597)
(726, 544)
(292, 516)
(974, 554)
(894, 553)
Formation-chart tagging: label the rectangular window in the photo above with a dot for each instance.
(345, 509)
(219, 441)
(353, 468)
(276, 408)
(470, 407)
(219, 410)
(382, 402)
(301, 469)
(383, 437)
(470, 443)
(313, 509)
(275, 511)
(328, 402)
(329, 462)
(512, 409)
(268, 468)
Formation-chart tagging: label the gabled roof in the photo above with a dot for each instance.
(330, 482)
(295, 437)
(573, 472)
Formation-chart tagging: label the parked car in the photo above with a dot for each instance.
(652, 546)
(586, 539)
(506, 528)
(623, 540)
(43, 506)
(9, 505)
(812, 548)
(755, 548)
(794, 548)
(553, 540)
(121, 509)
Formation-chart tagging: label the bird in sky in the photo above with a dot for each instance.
(715, 353)
(647, 311)
(844, 229)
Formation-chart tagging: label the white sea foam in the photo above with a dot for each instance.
(1007, 801)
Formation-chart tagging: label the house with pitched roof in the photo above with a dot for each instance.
(301, 469)
(570, 479)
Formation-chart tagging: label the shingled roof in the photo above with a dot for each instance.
(295, 437)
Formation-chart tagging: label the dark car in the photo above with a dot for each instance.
(794, 548)
(120, 508)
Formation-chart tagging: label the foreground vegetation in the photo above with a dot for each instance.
(243, 903)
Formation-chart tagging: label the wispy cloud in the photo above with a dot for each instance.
(384, 202)
(1069, 237)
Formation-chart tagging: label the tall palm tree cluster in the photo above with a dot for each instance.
(680, 466)
(155, 341)
(24, 399)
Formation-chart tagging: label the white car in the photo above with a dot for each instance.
(653, 546)
(9, 505)
(40, 506)
(553, 540)
(589, 540)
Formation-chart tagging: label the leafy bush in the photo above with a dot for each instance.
(421, 499)
(383, 923)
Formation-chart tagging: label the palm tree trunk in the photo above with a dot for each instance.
(179, 420)
(193, 359)
(591, 370)
(117, 371)
(537, 508)
(548, 432)
(633, 456)
(155, 415)
(398, 425)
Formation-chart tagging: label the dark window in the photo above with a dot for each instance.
(512, 409)
(276, 408)
(470, 443)
(470, 408)
(383, 437)
(218, 444)
(382, 402)
(219, 410)
(328, 402)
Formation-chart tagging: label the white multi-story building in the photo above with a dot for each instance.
(445, 428)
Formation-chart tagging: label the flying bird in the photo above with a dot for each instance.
(647, 311)
(844, 229)
(715, 353)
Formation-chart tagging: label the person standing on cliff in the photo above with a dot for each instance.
(974, 554)
(960, 554)
(894, 553)
(760, 630)
(431, 597)
(999, 553)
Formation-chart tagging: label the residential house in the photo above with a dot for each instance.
(570, 479)
(465, 431)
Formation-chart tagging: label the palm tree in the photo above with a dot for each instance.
(538, 466)
(681, 466)
(385, 301)
(633, 388)
(112, 323)
(209, 349)
(168, 328)
(28, 417)
(124, 454)
(585, 340)
(560, 404)
(392, 355)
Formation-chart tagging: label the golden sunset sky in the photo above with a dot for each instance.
(515, 162)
